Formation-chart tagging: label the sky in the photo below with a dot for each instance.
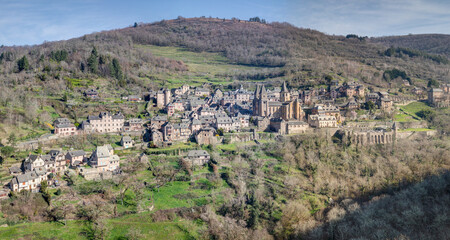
(28, 22)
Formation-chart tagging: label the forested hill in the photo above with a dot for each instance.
(270, 52)
(430, 43)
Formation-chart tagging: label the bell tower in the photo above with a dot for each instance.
(285, 96)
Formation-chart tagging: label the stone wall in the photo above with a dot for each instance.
(400, 125)
(247, 136)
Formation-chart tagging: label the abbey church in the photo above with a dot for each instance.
(285, 109)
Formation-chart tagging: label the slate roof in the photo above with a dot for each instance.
(197, 153)
(126, 139)
(77, 153)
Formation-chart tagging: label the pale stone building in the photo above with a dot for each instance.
(30, 181)
(103, 159)
(63, 127)
(198, 157)
(105, 122)
(322, 121)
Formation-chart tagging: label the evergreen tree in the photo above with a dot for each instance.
(93, 61)
(23, 64)
(116, 70)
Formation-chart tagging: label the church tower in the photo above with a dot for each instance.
(263, 103)
(166, 97)
(256, 101)
(285, 96)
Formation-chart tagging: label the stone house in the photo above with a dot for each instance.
(179, 105)
(372, 97)
(322, 121)
(76, 158)
(15, 170)
(104, 123)
(30, 181)
(197, 157)
(103, 159)
(126, 142)
(327, 109)
(59, 159)
(200, 92)
(225, 123)
(158, 121)
(63, 127)
(196, 125)
(170, 109)
(206, 136)
(385, 104)
(91, 93)
(33, 162)
(176, 132)
(163, 98)
(157, 137)
(133, 125)
(439, 97)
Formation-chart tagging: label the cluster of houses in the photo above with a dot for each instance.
(37, 168)
(200, 113)
(105, 122)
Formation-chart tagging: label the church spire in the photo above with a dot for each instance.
(257, 92)
(263, 94)
(284, 89)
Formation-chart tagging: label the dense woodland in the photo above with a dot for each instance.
(430, 43)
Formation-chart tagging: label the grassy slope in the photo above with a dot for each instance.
(409, 112)
(204, 67)
(119, 227)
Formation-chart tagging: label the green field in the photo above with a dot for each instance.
(119, 228)
(203, 67)
(414, 108)
(415, 130)
(401, 117)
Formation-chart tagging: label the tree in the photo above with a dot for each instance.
(135, 24)
(44, 190)
(116, 70)
(370, 106)
(220, 131)
(93, 61)
(23, 64)
(12, 139)
(433, 83)
(7, 151)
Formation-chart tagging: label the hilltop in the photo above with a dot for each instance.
(430, 43)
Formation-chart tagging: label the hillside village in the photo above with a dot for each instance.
(210, 128)
(204, 115)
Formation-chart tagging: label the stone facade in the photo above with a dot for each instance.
(30, 181)
(206, 137)
(197, 157)
(439, 97)
(105, 122)
(63, 127)
(286, 108)
(103, 159)
(322, 121)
